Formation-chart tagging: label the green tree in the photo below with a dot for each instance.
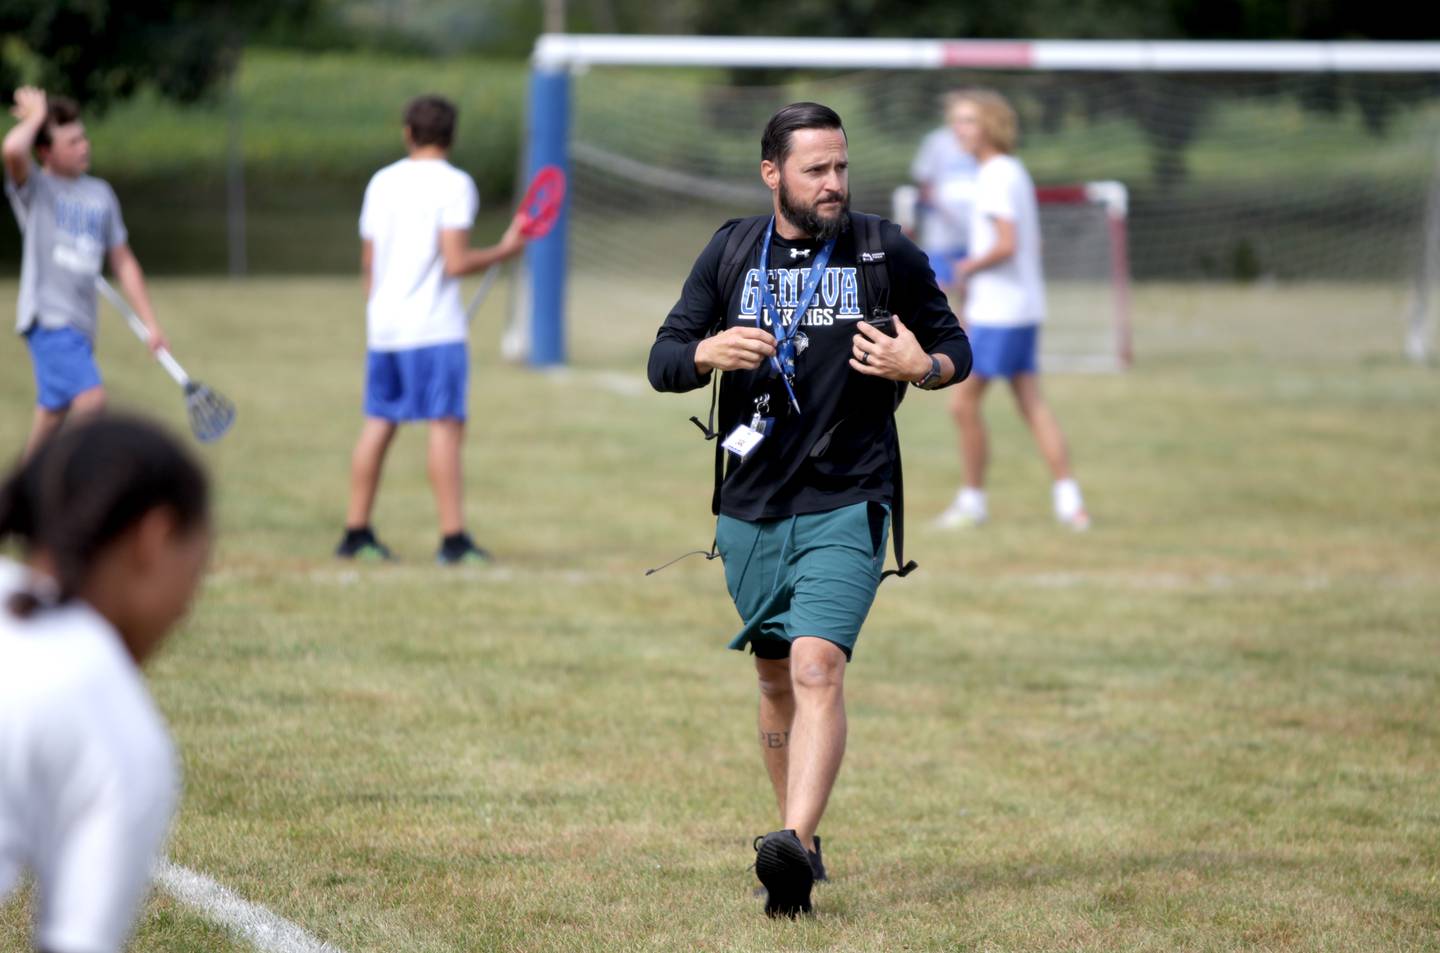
(99, 51)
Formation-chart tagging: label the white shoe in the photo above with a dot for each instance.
(1070, 505)
(962, 514)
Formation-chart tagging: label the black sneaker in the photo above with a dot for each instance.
(459, 549)
(783, 866)
(817, 865)
(362, 544)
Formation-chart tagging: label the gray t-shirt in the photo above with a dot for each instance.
(69, 226)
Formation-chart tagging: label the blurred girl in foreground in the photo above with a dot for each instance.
(112, 517)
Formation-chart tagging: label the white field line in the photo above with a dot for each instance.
(259, 927)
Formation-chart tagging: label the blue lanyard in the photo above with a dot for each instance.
(784, 360)
(787, 332)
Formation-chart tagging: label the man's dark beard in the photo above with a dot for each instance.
(807, 218)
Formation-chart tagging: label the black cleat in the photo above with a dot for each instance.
(817, 865)
(783, 865)
(459, 549)
(362, 544)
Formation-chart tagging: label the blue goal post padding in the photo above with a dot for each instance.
(545, 258)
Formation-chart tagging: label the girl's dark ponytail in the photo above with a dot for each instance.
(86, 486)
(17, 520)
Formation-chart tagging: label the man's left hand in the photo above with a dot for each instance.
(876, 354)
(513, 241)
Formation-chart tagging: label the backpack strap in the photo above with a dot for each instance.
(744, 233)
(870, 256)
(874, 273)
(737, 252)
(898, 520)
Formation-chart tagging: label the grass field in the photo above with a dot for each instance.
(1209, 724)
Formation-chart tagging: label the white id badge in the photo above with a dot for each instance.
(743, 440)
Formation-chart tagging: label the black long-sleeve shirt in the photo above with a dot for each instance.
(842, 447)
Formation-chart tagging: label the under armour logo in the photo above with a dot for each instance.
(799, 253)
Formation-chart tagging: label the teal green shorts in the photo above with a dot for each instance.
(808, 575)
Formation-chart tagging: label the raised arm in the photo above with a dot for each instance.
(461, 259)
(31, 108)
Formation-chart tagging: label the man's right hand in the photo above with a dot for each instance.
(735, 349)
(30, 104)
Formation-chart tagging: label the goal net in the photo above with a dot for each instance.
(1320, 186)
(1085, 235)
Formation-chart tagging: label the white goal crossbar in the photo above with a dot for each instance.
(557, 51)
(559, 56)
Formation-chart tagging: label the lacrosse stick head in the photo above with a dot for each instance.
(211, 414)
(543, 201)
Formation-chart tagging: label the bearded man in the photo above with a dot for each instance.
(808, 472)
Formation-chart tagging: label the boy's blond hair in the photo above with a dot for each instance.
(997, 117)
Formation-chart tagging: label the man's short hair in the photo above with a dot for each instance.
(431, 120)
(775, 141)
(60, 111)
(997, 117)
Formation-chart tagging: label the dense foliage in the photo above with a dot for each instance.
(101, 51)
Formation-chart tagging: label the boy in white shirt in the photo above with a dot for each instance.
(415, 232)
(1004, 308)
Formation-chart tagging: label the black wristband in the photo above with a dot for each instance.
(931, 380)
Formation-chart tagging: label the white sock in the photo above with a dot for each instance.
(1068, 501)
(971, 500)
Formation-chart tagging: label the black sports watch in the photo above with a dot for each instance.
(932, 378)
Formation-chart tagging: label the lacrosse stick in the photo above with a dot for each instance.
(211, 415)
(538, 210)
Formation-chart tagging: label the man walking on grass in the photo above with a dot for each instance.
(810, 469)
(415, 235)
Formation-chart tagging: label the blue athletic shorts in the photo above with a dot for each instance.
(423, 383)
(1004, 352)
(64, 362)
(809, 575)
(943, 262)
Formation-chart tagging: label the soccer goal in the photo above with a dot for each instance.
(1309, 168)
